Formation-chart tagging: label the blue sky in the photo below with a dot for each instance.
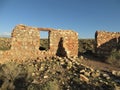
(82, 16)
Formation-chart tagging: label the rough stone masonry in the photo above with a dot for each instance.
(106, 42)
(25, 44)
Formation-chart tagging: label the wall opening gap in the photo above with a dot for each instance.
(44, 40)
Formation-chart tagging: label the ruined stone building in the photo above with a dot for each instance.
(25, 44)
(106, 42)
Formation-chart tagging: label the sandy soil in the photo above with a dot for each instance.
(99, 65)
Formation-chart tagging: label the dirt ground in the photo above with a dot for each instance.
(99, 65)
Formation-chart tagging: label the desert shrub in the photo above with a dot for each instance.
(51, 85)
(8, 73)
(33, 87)
(14, 76)
(44, 44)
(86, 44)
(114, 58)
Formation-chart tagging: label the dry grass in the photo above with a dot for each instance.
(5, 43)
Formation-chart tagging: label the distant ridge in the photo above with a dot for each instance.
(5, 34)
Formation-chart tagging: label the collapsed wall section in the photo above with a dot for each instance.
(106, 42)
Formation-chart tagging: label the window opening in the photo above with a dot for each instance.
(44, 40)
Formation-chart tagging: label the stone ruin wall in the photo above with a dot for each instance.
(25, 44)
(106, 42)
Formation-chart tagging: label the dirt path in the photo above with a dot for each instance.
(99, 65)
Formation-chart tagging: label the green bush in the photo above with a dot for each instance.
(86, 44)
(114, 58)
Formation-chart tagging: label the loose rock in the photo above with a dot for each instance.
(84, 78)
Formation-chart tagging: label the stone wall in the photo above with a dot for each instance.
(106, 42)
(25, 44)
